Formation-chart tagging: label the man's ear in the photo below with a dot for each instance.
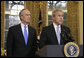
(52, 17)
(21, 17)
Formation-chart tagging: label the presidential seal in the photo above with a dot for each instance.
(71, 49)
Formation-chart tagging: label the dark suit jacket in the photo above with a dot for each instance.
(16, 44)
(48, 36)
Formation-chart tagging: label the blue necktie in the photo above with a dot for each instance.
(58, 34)
(25, 35)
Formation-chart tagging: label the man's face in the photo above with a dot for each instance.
(25, 16)
(58, 18)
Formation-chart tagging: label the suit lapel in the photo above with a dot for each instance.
(54, 34)
(21, 36)
(61, 41)
(19, 30)
(29, 35)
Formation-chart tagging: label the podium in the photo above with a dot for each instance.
(56, 51)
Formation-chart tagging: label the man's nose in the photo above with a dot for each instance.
(61, 17)
(29, 16)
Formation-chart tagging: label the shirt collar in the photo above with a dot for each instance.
(55, 25)
(23, 25)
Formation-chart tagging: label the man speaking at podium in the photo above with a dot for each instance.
(56, 33)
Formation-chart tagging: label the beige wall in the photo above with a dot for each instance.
(80, 22)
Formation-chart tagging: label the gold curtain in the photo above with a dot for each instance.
(72, 19)
(34, 7)
(2, 26)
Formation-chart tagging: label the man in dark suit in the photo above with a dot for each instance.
(22, 39)
(56, 33)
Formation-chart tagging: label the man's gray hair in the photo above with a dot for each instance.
(21, 12)
(54, 12)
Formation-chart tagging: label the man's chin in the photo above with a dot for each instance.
(27, 22)
(60, 23)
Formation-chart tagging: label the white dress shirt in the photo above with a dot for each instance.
(55, 27)
(59, 31)
(22, 27)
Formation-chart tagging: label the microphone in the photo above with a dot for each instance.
(63, 36)
(66, 36)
